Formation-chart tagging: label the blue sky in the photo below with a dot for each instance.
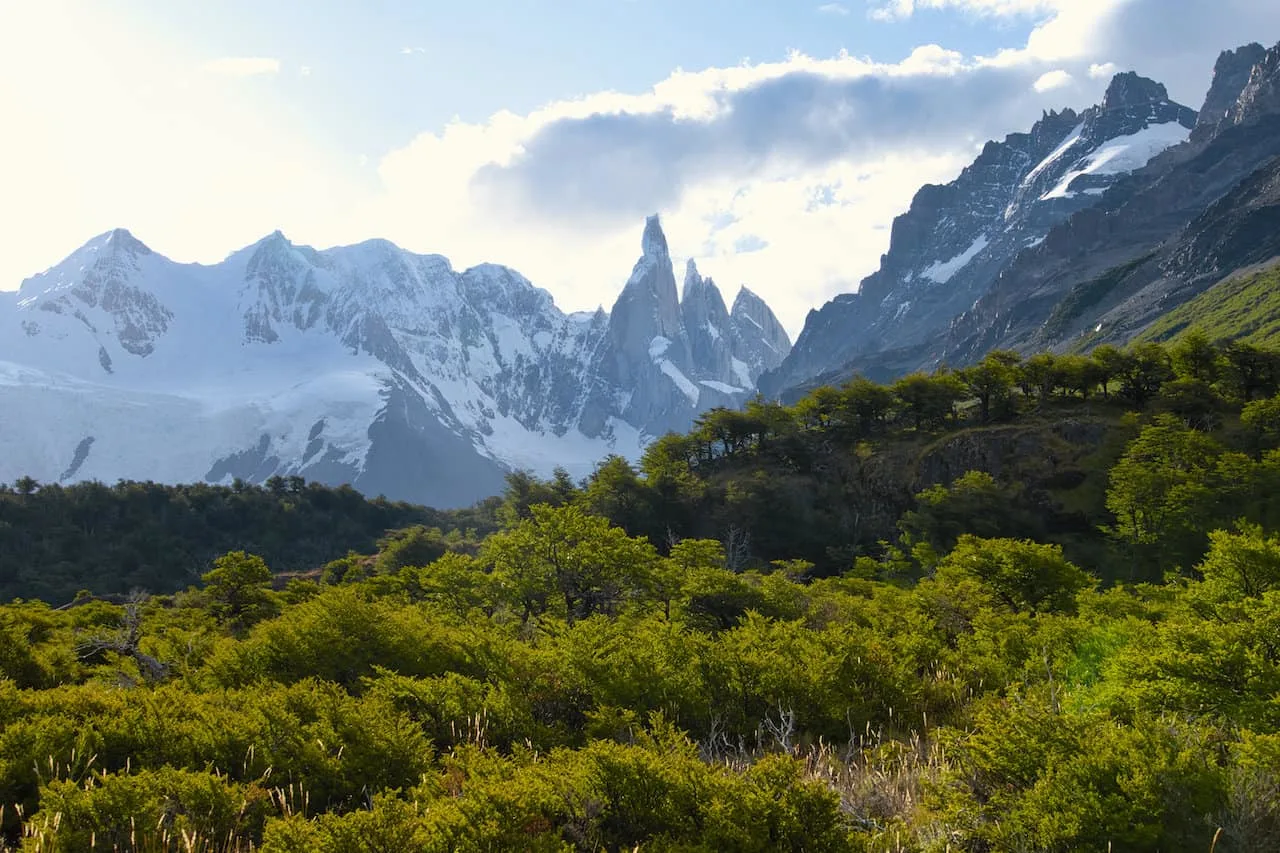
(382, 72)
(778, 139)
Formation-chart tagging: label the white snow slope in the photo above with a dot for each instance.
(364, 364)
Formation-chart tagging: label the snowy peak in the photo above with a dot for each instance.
(365, 364)
(706, 325)
(280, 288)
(120, 241)
(701, 295)
(950, 247)
(1133, 104)
(103, 289)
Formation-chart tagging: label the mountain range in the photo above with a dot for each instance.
(1084, 230)
(364, 364)
(392, 371)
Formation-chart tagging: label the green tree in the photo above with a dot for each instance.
(929, 400)
(1042, 374)
(1195, 357)
(1080, 374)
(1161, 492)
(1144, 373)
(1111, 365)
(975, 504)
(991, 382)
(525, 490)
(1193, 400)
(614, 491)
(238, 587)
(1025, 575)
(412, 546)
(565, 557)
(864, 406)
(1245, 563)
(1262, 417)
(1250, 371)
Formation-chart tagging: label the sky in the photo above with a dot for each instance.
(777, 138)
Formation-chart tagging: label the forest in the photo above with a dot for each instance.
(1028, 605)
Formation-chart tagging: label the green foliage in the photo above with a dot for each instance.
(1245, 308)
(1244, 564)
(563, 559)
(1263, 418)
(974, 504)
(57, 540)
(1023, 575)
(860, 623)
(929, 401)
(412, 546)
(1161, 491)
(112, 811)
(237, 587)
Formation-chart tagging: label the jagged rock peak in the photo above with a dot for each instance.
(1128, 89)
(1230, 75)
(694, 282)
(654, 242)
(1261, 94)
(747, 300)
(691, 272)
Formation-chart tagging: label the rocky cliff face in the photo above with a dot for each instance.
(667, 359)
(954, 242)
(364, 364)
(1230, 75)
(1160, 237)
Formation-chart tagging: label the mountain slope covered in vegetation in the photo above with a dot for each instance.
(1244, 307)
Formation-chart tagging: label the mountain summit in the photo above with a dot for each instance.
(365, 364)
(1084, 230)
(946, 251)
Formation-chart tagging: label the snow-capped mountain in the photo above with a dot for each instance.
(365, 364)
(1190, 218)
(947, 250)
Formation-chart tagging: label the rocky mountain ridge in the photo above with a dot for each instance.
(1116, 195)
(365, 364)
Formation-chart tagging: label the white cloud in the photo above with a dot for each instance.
(242, 66)
(1055, 79)
(834, 9)
(810, 157)
(901, 10)
(892, 10)
(735, 157)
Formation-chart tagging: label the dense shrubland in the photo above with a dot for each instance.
(1082, 655)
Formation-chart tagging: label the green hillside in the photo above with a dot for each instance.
(1243, 308)
(1027, 605)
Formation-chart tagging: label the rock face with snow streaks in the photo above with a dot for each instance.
(948, 249)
